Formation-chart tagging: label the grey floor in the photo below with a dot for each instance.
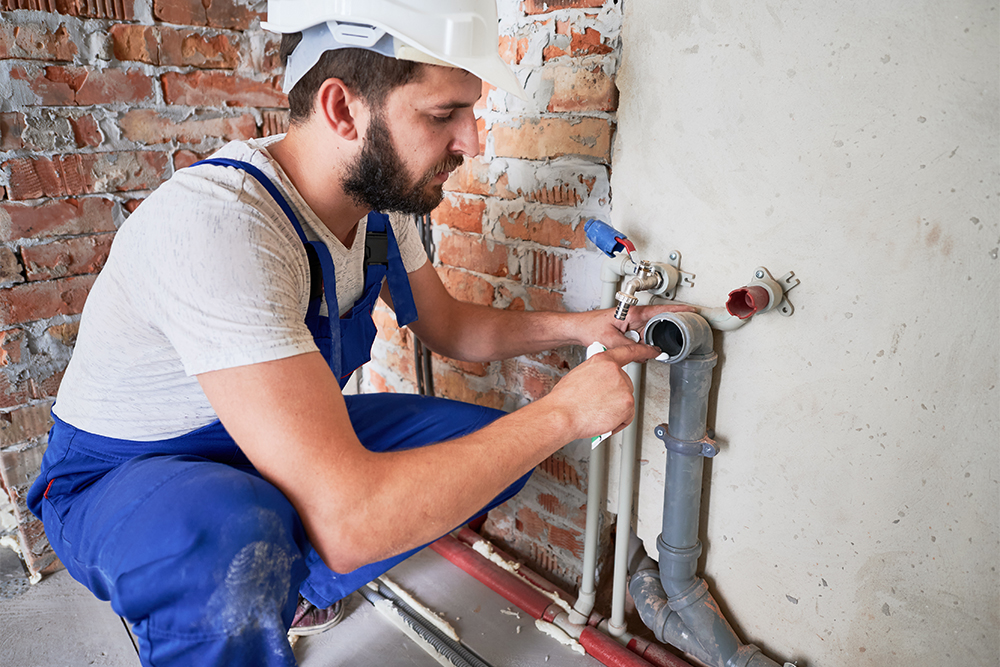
(57, 622)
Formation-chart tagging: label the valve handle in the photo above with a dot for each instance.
(608, 240)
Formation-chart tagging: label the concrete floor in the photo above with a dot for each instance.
(57, 622)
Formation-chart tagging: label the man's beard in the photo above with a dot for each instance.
(378, 178)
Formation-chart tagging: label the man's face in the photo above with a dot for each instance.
(433, 118)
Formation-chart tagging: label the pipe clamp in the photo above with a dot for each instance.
(704, 447)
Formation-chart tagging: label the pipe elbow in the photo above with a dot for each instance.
(679, 335)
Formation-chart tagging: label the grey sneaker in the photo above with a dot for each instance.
(310, 620)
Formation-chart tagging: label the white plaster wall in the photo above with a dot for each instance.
(852, 515)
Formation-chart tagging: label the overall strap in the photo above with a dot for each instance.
(399, 284)
(314, 250)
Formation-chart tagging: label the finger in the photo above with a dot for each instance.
(626, 354)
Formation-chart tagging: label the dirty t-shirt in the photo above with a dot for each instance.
(206, 274)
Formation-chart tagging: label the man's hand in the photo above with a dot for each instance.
(597, 394)
(602, 327)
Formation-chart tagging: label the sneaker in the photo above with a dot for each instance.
(310, 620)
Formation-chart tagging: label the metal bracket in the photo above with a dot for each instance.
(786, 282)
(680, 278)
(705, 447)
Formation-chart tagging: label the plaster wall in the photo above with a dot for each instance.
(853, 510)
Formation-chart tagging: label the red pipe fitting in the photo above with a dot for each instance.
(609, 651)
(747, 301)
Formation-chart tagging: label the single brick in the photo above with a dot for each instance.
(69, 257)
(84, 86)
(147, 126)
(460, 213)
(543, 299)
(474, 254)
(529, 523)
(65, 333)
(77, 174)
(580, 89)
(11, 271)
(273, 121)
(86, 131)
(12, 343)
(542, 138)
(569, 42)
(543, 230)
(566, 539)
(56, 218)
(185, 158)
(466, 287)
(18, 426)
(30, 302)
(136, 43)
(33, 41)
(449, 384)
(12, 127)
(217, 89)
(546, 269)
(185, 48)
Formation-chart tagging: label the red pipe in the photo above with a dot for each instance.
(608, 651)
(746, 301)
(495, 577)
(656, 654)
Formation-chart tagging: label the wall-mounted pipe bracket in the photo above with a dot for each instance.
(706, 446)
(673, 276)
(762, 294)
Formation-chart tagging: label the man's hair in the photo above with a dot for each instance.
(370, 75)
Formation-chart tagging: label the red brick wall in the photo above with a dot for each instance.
(106, 100)
(510, 234)
(100, 103)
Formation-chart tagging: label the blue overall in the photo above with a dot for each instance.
(183, 536)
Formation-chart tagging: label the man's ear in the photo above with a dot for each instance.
(339, 109)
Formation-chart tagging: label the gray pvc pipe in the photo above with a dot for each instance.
(677, 605)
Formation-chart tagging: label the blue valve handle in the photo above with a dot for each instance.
(609, 240)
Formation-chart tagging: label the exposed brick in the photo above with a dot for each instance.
(106, 9)
(86, 132)
(215, 89)
(22, 425)
(83, 86)
(186, 158)
(512, 49)
(32, 41)
(466, 287)
(148, 126)
(476, 368)
(546, 269)
(529, 523)
(385, 321)
(65, 333)
(572, 43)
(542, 138)
(136, 43)
(273, 122)
(12, 343)
(38, 301)
(77, 174)
(10, 268)
(180, 48)
(543, 299)
(12, 127)
(543, 230)
(215, 13)
(56, 218)
(527, 380)
(460, 213)
(69, 257)
(475, 254)
(580, 89)
(551, 504)
(471, 177)
(132, 204)
(566, 539)
(449, 384)
(543, 6)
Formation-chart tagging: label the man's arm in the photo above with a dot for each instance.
(290, 419)
(470, 332)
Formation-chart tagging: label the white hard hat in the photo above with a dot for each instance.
(456, 33)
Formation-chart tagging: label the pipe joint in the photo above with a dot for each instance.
(694, 594)
(679, 336)
(744, 654)
(704, 447)
(677, 566)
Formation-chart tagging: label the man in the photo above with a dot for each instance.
(205, 468)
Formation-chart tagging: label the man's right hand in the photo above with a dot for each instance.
(597, 394)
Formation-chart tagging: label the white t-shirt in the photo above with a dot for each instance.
(206, 274)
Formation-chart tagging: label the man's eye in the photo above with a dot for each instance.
(442, 119)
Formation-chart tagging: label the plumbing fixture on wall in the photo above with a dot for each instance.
(676, 604)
